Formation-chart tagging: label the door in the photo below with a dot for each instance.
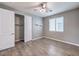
(27, 28)
(7, 27)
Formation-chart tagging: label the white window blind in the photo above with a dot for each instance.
(56, 24)
(52, 24)
(59, 24)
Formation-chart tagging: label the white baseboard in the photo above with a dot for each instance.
(33, 39)
(61, 41)
(37, 38)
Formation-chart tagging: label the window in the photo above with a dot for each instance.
(52, 25)
(59, 24)
(56, 24)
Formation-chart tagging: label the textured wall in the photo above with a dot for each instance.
(71, 27)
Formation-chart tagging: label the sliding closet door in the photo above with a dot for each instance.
(7, 28)
(27, 28)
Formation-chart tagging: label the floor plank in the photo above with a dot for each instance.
(41, 47)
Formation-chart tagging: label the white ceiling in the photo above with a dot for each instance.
(57, 7)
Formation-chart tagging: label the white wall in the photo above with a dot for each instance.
(71, 27)
(37, 30)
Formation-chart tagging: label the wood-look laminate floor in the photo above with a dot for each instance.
(41, 47)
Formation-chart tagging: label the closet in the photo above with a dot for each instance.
(23, 28)
(19, 28)
(14, 28)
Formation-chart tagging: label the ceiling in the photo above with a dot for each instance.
(57, 7)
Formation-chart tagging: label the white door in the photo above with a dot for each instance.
(27, 28)
(7, 27)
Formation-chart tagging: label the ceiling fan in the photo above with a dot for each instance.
(42, 7)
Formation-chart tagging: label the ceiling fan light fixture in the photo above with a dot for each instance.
(42, 10)
(44, 6)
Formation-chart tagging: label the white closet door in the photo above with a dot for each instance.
(7, 27)
(27, 28)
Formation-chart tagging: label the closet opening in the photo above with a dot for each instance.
(19, 28)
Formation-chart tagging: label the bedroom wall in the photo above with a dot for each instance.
(37, 27)
(71, 27)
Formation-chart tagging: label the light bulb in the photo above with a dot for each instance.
(42, 10)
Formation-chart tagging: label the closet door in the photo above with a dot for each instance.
(27, 28)
(7, 33)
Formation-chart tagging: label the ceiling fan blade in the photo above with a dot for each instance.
(32, 7)
(48, 10)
